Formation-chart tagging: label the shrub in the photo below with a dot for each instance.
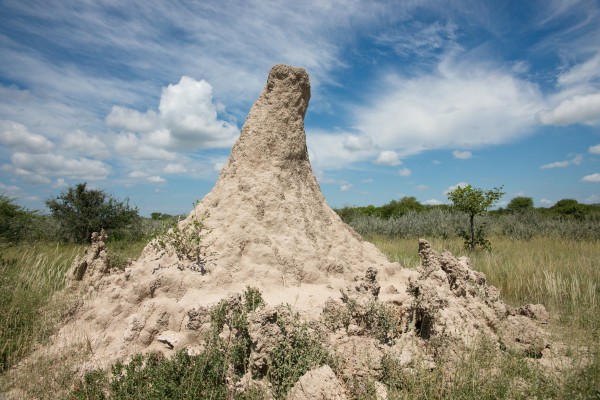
(15, 221)
(80, 211)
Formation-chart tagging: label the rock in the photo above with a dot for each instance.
(318, 384)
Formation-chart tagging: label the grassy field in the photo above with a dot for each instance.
(563, 274)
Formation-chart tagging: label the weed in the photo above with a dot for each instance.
(187, 242)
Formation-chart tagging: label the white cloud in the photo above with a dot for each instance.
(187, 120)
(557, 164)
(8, 188)
(346, 187)
(584, 109)
(388, 157)
(405, 172)
(218, 166)
(60, 183)
(146, 176)
(174, 169)
(576, 160)
(39, 167)
(132, 120)
(368, 180)
(357, 143)
(581, 73)
(546, 202)
(454, 187)
(422, 188)
(432, 202)
(18, 137)
(462, 155)
(591, 178)
(595, 149)
(327, 150)
(156, 179)
(453, 107)
(86, 144)
(593, 199)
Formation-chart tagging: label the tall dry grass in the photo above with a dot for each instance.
(562, 274)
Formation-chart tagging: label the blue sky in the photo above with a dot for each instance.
(144, 99)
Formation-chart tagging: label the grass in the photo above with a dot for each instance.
(29, 276)
(562, 274)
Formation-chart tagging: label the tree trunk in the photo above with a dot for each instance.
(472, 221)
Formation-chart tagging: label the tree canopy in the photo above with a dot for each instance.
(474, 201)
(81, 211)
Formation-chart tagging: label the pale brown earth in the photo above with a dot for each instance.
(267, 225)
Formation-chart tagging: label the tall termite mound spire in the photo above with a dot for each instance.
(273, 135)
(267, 217)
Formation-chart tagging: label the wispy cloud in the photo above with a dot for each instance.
(462, 155)
(448, 108)
(388, 157)
(576, 160)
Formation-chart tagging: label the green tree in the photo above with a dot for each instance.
(474, 201)
(569, 207)
(520, 204)
(14, 219)
(81, 211)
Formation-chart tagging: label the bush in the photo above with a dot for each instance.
(15, 221)
(81, 211)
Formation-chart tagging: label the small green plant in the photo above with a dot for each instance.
(187, 242)
(293, 357)
(474, 201)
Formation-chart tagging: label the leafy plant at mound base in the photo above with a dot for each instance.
(293, 357)
(205, 376)
(186, 242)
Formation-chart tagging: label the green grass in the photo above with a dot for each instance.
(562, 274)
(29, 276)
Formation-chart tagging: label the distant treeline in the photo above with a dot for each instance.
(408, 218)
(397, 208)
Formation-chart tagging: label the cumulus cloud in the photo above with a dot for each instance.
(186, 120)
(454, 187)
(388, 157)
(546, 202)
(453, 107)
(17, 137)
(346, 187)
(156, 179)
(591, 178)
(331, 151)
(405, 172)
(39, 167)
(462, 155)
(174, 169)
(595, 149)
(86, 144)
(60, 183)
(432, 202)
(584, 109)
